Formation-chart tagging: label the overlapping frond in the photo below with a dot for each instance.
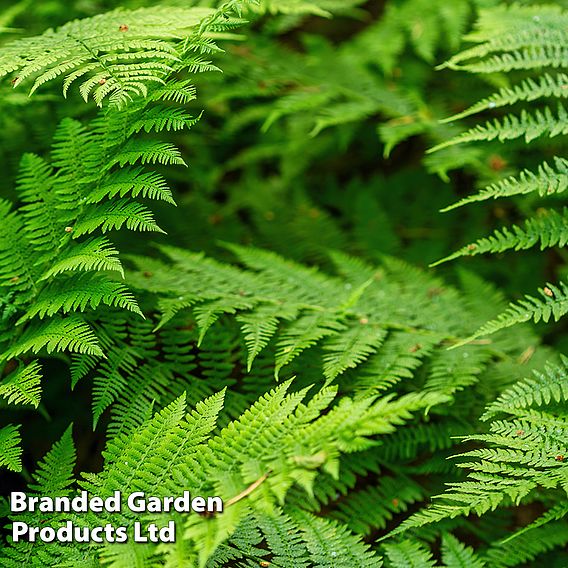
(522, 453)
(369, 319)
(251, 464)
(56, 261)
(119, 55)
(526, 44)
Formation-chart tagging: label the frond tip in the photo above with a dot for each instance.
(119, 55)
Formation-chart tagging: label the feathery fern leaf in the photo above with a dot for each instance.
(456, 555)
(510, 40)
(59, 334)
(117, 55)
(10, 450)
(526, 454)
(408, 554)
(23, 385)
(355, 321)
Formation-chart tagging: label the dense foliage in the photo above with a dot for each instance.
(223, 270)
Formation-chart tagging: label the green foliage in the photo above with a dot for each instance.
(10, 451)
(512, 40)
(47, 269)
(251, 463)
(309, 370)
(527, 452)
(116, 55)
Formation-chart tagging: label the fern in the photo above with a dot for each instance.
(58, 334)
(249, 471)
(408, 553)
(511, 39)
(95, 171)
(526, 454)
(10, 450)
(358, 322)
(323, 400)
(456, 555)
(116, 55)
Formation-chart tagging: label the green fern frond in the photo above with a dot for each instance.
(553, 303)
(58, 334)
(540, 390)
(10, 450)
(408, 554)
(519, 552)
(134, 181)
(526, 453)
(457, 555)
(303, 333)
(94, 254)
(404, 445)
(529, 39)
(54, 474)
(159, 118)
(15, 250)
(547, 230)
(455, 370)
(117, 55)
(115, 214)
(556, 513)
(374, 507)
(44, 223)
(359, 321)
(543, 87)
(23, 385)
(258, 328)
(351, 348)
(147, 152)
(283, 538)
(330, 544)
(529, 126)
(78, 293)
(547, 180)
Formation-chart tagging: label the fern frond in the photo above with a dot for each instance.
(147, 152)
(361, 321)
(547, 230)
(408, 554)
(303, 333)
(351, 348)
(553, 303)
(529, 126)
(545, 86)
(23, 385)
(54, 474)
(547, 180)
(525, 453)
(519, 552)
(15, 251)
(372, 508)
(115, 214)
(457, 555)
(540, 390)
(134, 181)
(330, 545)
(116, 55)
(284, 539)
(44, 223)
(58, 334)
(80, 292)
(94, 254)
(529, 39)
(160, 118)
(258, 328)
(10, 450)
